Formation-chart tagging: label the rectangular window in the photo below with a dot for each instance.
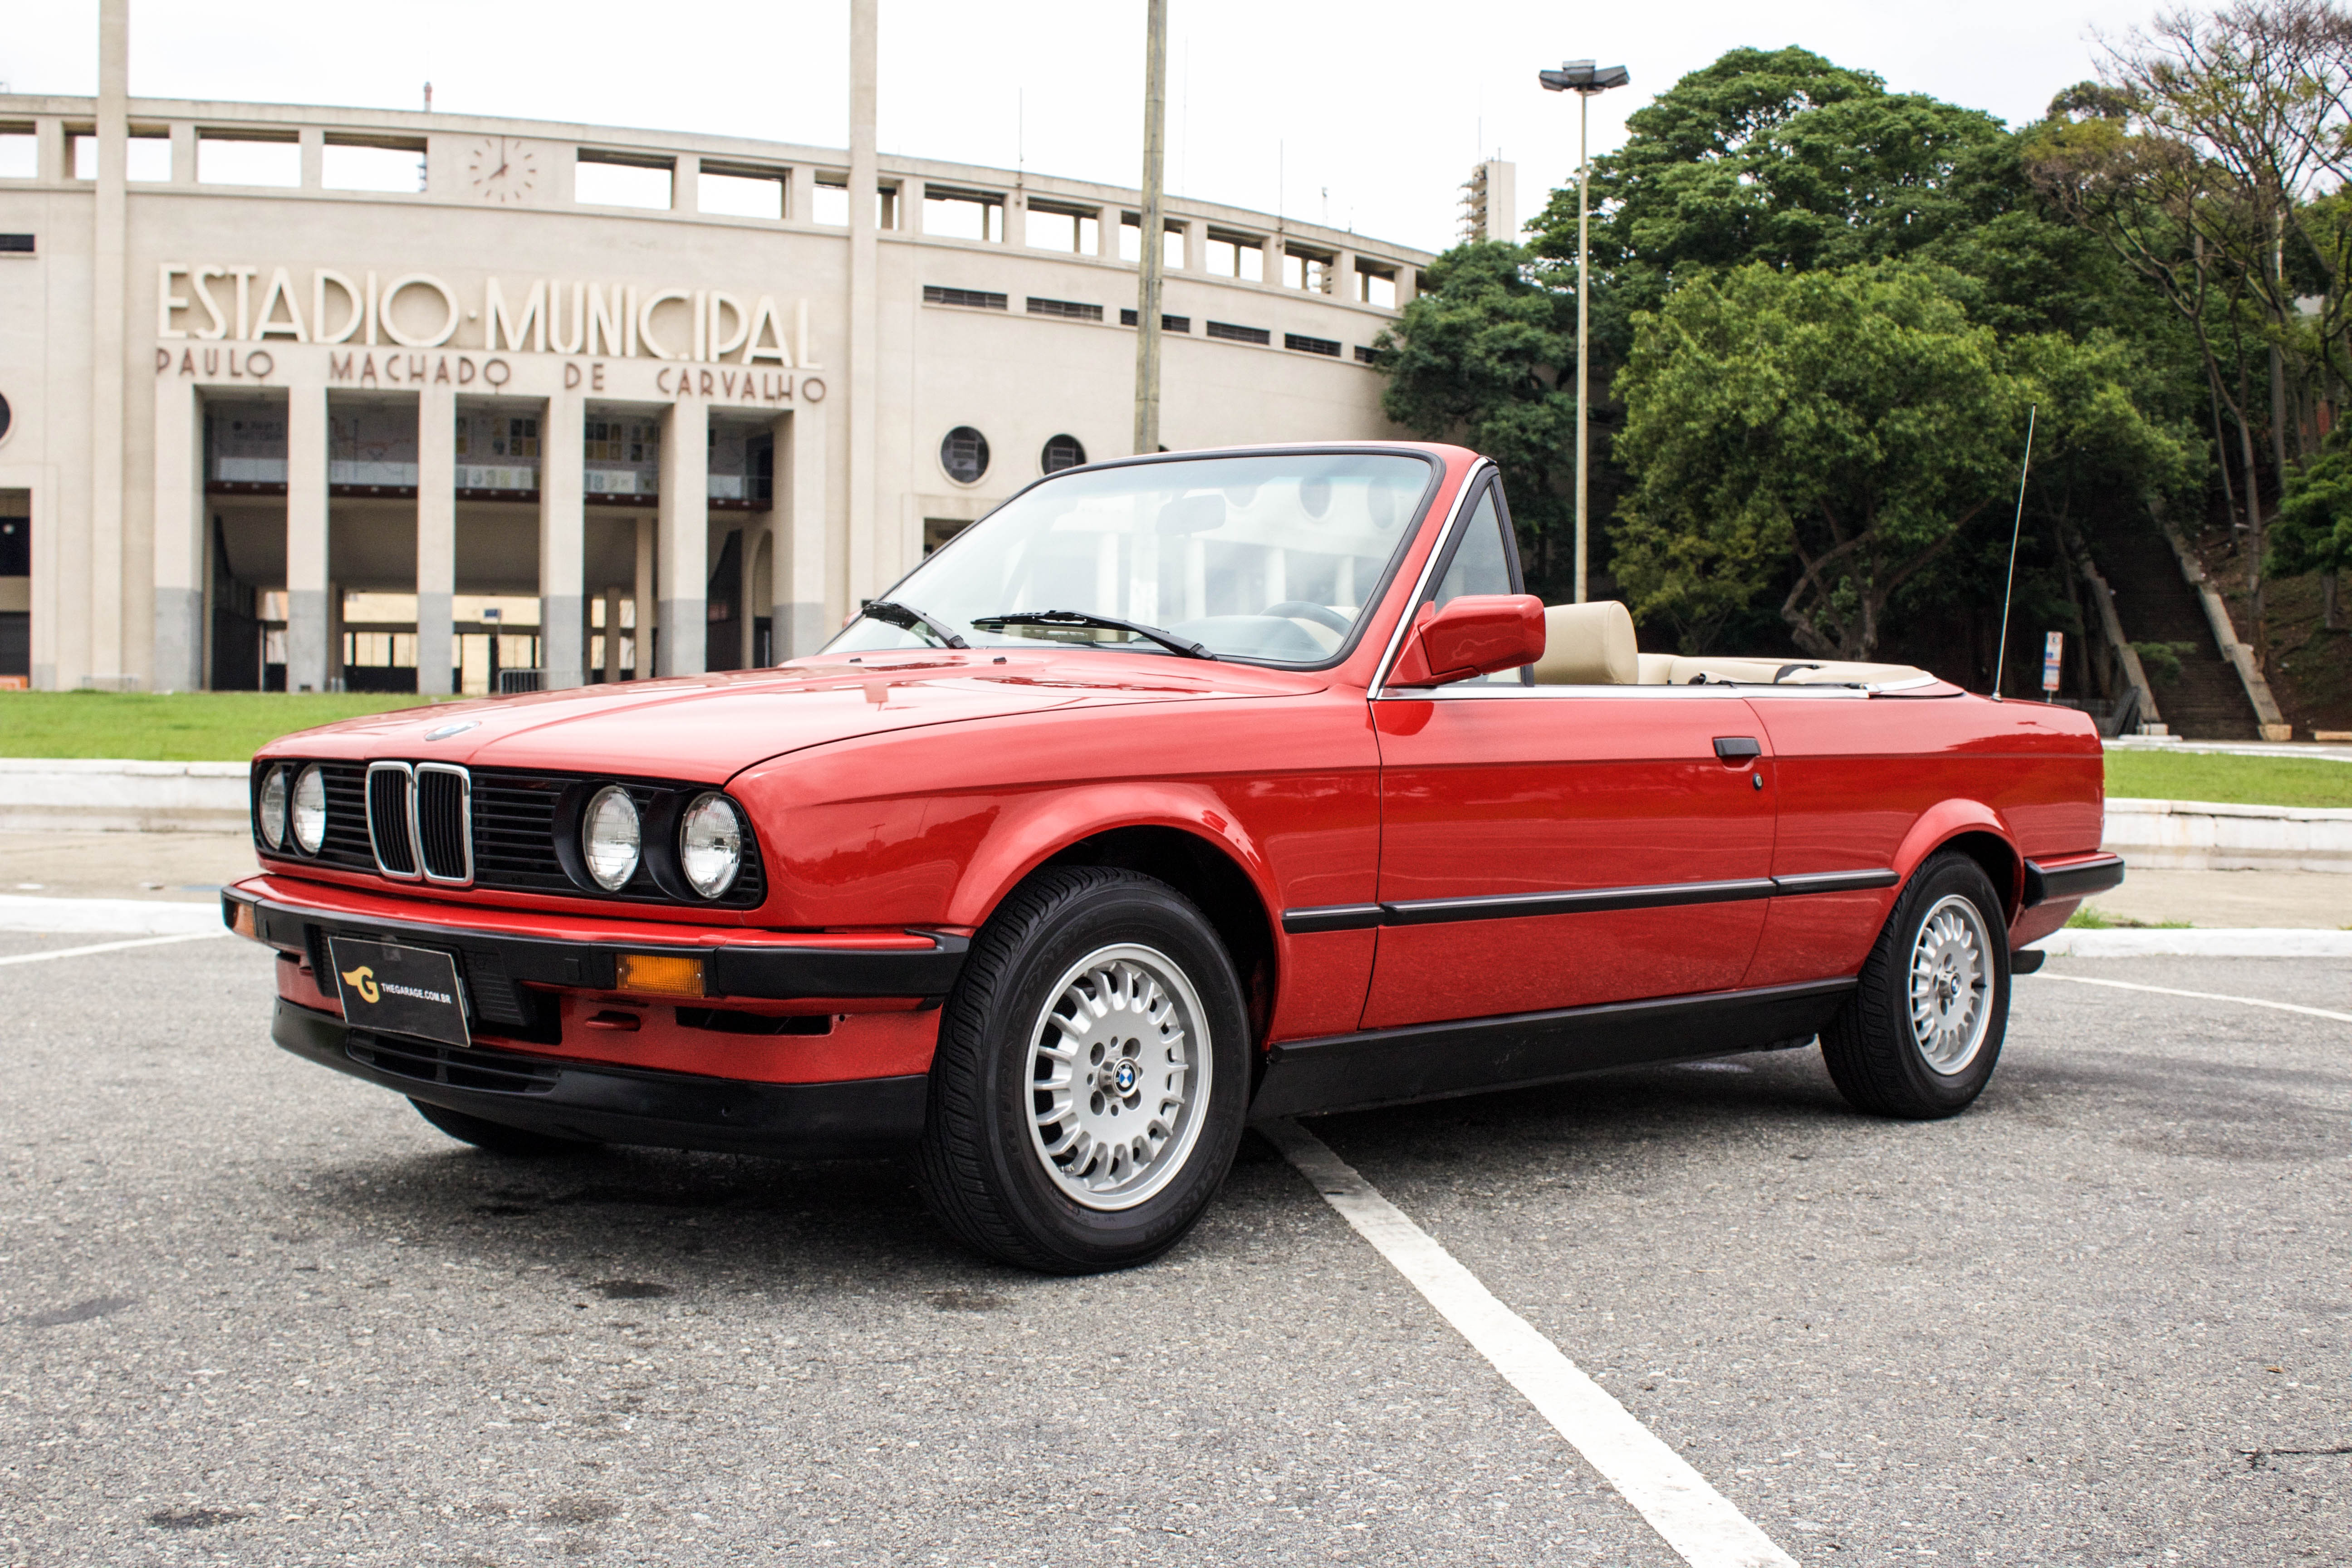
(830, 202)
(620, 180)
(1375, 287)
(394, 165)
(1237, 255)
(1167, 324)
(963, 215)
(1309, 270)
(15, 545)
(1061, 228)
(1366, 357)
(247, 158)
(1130, 241)
(16, 244)
(1068, 310)
(147, 157)
(972, 299)
(20, 152)
(1307, 345)
(739, 192)
(1234, 334)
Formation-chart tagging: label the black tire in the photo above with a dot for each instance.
(496, 1136)
(985, 1173)
(1874, 1054)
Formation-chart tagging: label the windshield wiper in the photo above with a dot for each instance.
(1168, 640)
(911, 620)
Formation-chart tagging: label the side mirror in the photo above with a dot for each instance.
(1476, 634)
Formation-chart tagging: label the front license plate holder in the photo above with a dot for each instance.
(400, 990)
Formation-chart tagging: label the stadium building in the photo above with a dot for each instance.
(324, 398)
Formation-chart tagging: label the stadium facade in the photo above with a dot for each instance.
(324, 398)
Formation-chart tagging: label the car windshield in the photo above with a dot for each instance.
(1266, 558)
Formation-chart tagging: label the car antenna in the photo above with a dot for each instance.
(2000, 649)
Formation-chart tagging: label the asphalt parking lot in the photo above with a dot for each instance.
(255, 1313)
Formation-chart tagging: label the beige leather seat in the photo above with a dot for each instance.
(1588, 645)
(1792, 672)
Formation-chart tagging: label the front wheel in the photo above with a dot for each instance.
(1092, 1070)
(1921, 1032)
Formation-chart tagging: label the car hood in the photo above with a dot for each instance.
(705, 728)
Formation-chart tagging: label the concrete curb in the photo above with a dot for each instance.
(2250, 942)
(2211, 836)
(104, 794)
(114, 916)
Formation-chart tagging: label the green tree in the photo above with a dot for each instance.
(2314, 531)
(1478, 357)
(1828, 437)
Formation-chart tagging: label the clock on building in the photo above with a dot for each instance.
(502, 169)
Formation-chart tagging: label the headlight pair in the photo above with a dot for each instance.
(709, 841)
(293, 812)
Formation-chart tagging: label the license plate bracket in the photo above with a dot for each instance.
(400, 990)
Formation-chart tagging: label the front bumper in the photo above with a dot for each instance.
(615, 1104)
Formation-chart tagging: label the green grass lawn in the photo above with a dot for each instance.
(2241, 781)
(181, 727)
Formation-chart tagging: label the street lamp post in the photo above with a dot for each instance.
(1583, 79)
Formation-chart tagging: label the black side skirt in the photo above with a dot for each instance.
(1431, 1061)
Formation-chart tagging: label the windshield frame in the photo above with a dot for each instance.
(1373, 600)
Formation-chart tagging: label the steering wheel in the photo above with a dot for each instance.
(1321, 615)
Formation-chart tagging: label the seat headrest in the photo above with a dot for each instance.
(1588, 645)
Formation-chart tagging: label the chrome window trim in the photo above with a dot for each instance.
(1470, 484)
(367, 805)
(1711, 691)
(465, 822)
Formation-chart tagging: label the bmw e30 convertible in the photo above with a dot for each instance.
(1179, 792)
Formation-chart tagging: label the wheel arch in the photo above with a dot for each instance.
(1972, 828)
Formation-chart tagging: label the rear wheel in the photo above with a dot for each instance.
(1921, 1034)
(1087, 1097)
(496, 1136)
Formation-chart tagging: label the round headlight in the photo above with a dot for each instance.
(610, 840)
(272, 810)
(711, 844)
(309, 811)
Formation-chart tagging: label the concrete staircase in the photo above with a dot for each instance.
(2156, 604)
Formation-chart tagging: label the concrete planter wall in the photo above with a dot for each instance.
(2205, 835)
(102, 796)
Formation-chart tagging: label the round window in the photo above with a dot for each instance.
(1061, 452)
(5, 416)
(964, 455)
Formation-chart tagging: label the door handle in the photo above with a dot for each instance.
(1737, 748)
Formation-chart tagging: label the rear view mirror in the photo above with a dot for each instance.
(1476, 634)
(1192, 514)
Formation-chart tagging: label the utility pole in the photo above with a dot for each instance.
(1152, 245)
(1583, 79)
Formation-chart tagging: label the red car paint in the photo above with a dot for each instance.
(899, 793)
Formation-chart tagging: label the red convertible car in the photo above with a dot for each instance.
(1179, 792)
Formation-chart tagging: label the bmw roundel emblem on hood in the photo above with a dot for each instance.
(459, 728)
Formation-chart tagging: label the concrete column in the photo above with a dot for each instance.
(1016, 218)
(179, 536)
(644, 608)
(184, 153)
(682, 554)
(802, 570)
(612, 636)
(864, 312)
(110, 300)
(1343, 278)
(910, 204)
(436, 537)
(306, 611)
(562, 541)
(1271, 267)
(314, 157)
(1408, 284)
(1196, 246)
(685, 182)
(1106, 233)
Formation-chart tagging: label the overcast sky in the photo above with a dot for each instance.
(1367, 114)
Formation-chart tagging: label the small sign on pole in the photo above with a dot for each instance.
(2052, 646)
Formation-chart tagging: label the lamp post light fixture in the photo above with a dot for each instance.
(1583, 79)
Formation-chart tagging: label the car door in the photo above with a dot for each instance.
(1555, 847)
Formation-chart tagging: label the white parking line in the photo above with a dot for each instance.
(110, 946)
(1694, 1518)
(2200, 996)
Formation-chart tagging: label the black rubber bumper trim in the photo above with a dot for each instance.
(766, 971)
(2076, 880)
(626, 1105)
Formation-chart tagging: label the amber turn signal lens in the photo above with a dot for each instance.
(665, 974)
(240, 920)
